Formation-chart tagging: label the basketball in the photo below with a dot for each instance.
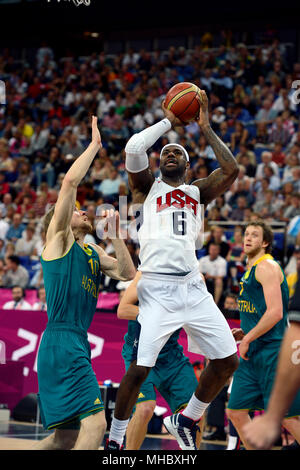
(181, 100)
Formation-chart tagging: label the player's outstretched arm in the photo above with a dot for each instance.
(128, 310)
(65, 205)
(120, 268)
(221, 179)
(140, 177)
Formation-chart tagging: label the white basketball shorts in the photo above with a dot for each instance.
(167, 303)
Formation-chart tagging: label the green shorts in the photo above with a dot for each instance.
(253, 381)
(173, 376)
(68, 388)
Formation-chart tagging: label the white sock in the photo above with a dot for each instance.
(232, 442)
(118, 430)
(195, 408)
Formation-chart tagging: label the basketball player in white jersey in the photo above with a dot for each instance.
(171, 291)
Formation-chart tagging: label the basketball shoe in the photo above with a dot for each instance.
(183, 429)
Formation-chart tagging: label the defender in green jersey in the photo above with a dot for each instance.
(173, 375)
(263, 305)
(69, 394)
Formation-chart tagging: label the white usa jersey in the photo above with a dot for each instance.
(169, 226)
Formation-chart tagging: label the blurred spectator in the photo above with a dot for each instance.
(15, 273)
(239, 212)
(266, 114)
(239, 136)
(16, 229)
(279, 133)
(278, 156)
(244, 151)
(236, 258)
(214, 268)
(18, 302)
(41, 304)
(26, 244)
(218, 238)
(266, 160)
(109, 187)
(4, 226)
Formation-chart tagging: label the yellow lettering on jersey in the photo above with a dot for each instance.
(94, 266)
(241, 288)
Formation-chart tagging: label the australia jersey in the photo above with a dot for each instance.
(252, 305)
(72, 286)
(169, 227)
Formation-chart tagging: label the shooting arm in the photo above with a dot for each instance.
(137, 164)
(221, 179)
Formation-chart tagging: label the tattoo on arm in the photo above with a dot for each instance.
(224, 156)
(221, 179)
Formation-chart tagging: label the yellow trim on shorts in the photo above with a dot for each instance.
(246, 409)
(181, 408)
(101, 408)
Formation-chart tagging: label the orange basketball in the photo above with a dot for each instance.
(181, 100)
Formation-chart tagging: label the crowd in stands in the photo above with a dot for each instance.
(45, 126)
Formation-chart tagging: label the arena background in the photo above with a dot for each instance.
(239, 44)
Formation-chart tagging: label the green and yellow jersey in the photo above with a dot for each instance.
(252, 305)
(72, 286)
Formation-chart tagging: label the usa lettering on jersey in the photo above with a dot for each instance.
(178, 199)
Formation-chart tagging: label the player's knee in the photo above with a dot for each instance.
(290, 424)
(95, 424)
(137, 374)
(145, 410)
(230, 364)
(64, 439)
(236, 416)
(227, 366)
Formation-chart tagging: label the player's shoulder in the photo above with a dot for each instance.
(267, 269)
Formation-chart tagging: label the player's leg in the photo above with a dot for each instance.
(143, 411)
(209, 334)
(152, 338)
(127, 396)
(92, 430)
(60, 439)
(177, 384)
(293, 427)
(240, 418)
(138, 425)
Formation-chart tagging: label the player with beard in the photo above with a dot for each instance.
(263, 305)
(69, 394)
(171, 291)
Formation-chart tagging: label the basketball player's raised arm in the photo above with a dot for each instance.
(140, 177)
(128, 310)
(269, 275)
(221, 179)
(65, 204)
